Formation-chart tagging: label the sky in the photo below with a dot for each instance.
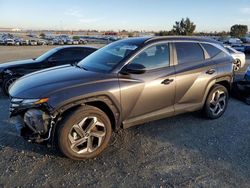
(148, 15)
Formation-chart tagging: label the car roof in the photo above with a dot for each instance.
(68, 47)
(147, 40)
(181, 38)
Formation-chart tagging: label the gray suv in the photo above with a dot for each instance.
(129, 82)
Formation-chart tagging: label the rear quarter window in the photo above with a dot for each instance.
(211, 50)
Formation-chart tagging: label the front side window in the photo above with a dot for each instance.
(154, 57)
(189, 52)
(47, 55)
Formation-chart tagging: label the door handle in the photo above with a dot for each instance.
(210, 71)
(167, 81)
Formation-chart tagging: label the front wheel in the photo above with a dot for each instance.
(84, 134)
(216, 102)
(7, 83)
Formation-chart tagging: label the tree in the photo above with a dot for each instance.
(76, 38)
(184, 27)
(164, 33)
(238, 30)
(130, 34)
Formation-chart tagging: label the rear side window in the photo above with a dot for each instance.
(188, 52)
(211, 50)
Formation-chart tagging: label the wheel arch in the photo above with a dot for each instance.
(104, 103)
(224, 81)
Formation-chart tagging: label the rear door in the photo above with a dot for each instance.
(194, 71)
(150, 95)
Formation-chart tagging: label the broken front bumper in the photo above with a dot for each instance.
(34, 125)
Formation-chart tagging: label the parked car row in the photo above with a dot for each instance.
(35, 42)
(128, 82)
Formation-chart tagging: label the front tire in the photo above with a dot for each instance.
(216, 102)
(7, 83)
(84, 134)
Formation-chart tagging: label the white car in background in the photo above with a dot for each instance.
(234, 41)
(33, 42)
(10, 41)
(239, 57)
(75, 42)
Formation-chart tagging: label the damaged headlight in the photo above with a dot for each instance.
(37, 121)
(27, 102)
(34, 101)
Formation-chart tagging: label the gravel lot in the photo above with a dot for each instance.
(183, 151)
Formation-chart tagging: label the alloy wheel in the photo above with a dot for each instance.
(87, 135)
(218, 102)
(237, 65)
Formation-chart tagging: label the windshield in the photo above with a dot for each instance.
(47, 55)
(108, 57)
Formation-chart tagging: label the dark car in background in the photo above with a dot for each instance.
(125, 83)
(11, 71)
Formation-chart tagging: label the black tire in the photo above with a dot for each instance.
(6, 84)
(66, 132)
(209, 108)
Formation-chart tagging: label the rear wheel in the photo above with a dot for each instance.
(84, 134)
(7, 83)
(216, 102)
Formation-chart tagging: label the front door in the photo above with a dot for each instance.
(150, 95)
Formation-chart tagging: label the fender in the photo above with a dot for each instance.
(72, 103)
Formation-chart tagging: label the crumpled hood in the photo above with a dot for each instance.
(16, 63)
(48, 81)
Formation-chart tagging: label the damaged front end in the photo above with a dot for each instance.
(32, 119)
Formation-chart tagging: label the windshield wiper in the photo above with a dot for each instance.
(84, 68)
(78, 66)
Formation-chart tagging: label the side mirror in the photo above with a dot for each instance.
(52, 60)
(133, 68)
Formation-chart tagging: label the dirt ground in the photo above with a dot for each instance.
(182, 151)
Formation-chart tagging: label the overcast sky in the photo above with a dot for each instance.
(208, 15)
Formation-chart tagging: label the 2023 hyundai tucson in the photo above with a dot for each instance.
(125, 83)
(11, 71)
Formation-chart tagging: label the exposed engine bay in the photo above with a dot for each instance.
(34, 125)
